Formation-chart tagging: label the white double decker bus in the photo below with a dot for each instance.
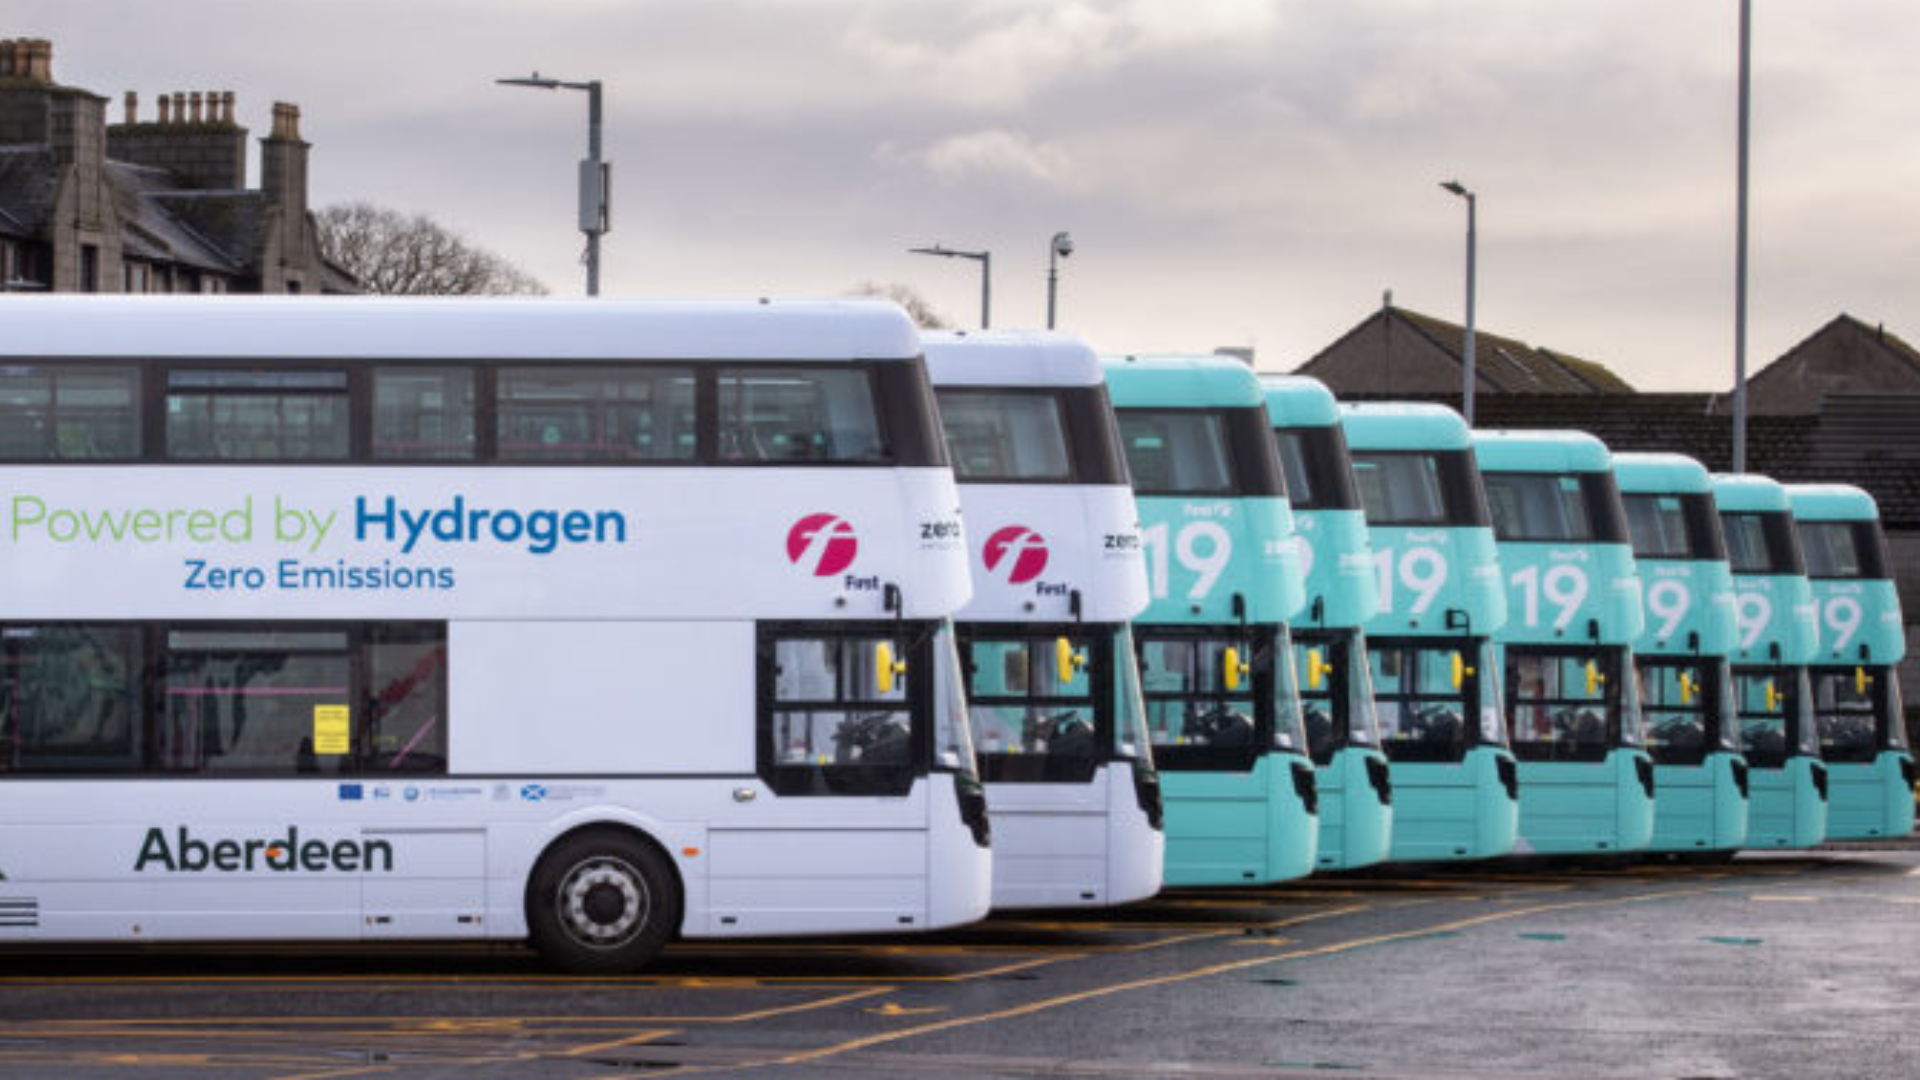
(590, 623)
(1053, 683)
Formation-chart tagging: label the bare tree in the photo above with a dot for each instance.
(918, 307)
(396, 254)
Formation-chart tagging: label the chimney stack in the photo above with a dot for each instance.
(133, 107)
(28, 59)
(286, 122)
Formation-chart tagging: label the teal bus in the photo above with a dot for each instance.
(1856, 691)
(1686, 683)
(1329, 644)
(1216, 668)
(1573, 612)
(1430, 649)
(1776, 638)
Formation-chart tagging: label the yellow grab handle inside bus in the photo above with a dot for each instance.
(886, 670)
(1232, 670)
(1460, 670)
(1687, 687)
(1861, 680)
(1594, 678)
(1773, 697)
(1317, 669)
(1067, 661)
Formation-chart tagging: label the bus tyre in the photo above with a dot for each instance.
(602, 903)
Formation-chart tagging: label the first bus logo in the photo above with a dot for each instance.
(822, 543)
(1017, 553)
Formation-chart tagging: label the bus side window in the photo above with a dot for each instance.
(69, 413)
(423, 414)
(798, 414)
(407, 701)
(827, 725)
(71, 699)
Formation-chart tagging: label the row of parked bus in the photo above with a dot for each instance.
(600, 624)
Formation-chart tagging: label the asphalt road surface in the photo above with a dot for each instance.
(1791, 966)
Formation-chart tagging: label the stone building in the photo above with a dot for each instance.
(159, 206)
(1395, 350)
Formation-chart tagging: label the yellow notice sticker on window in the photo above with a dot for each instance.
(332, 730)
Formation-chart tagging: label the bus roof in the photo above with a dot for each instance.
(1190, 381)
(1010, 358)
(1299, 401)
(1748, 493)
(1831, 502)
(1661, 474)
(1404, 425)
(1540, 451)
(332, 328)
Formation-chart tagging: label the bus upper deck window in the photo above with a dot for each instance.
(423, 414)
(235, 414)
(798, 414)
(596, 413)
(1005, 435)
(78, 413)
(1176, 452)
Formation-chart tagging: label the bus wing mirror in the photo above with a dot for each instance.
(1773, 697)
(1594, 678)
(1861, 680)
(1317, 669)
(1687, 688)
(1233, 670)
(1067, 660)
(886, 669)
(1460, 671)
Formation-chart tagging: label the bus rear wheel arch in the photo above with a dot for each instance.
(602, 901)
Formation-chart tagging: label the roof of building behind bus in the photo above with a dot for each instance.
(270, 328)
(1010, 358)
(1200, 380)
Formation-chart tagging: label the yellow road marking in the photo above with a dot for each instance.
(632, 1040)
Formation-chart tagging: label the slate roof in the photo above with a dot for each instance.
(153, 231)
(28, 186)
(1503, 365)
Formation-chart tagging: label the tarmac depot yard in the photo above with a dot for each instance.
(1801, 965)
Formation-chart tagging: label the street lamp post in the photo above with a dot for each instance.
(985, 259)
(1467, 360)
(1060, 248)
(1740, 254)
(595, 174)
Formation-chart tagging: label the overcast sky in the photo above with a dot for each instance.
(1233, 172)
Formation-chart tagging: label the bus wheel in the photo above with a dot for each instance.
(602, 903)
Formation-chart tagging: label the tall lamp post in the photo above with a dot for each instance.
(985, 259)
(595, 174)
(1740, 256)
(1467, 377)
(1060, 248)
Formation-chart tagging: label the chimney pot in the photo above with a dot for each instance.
(133, 107)
(226, 107)
(193, 102)
(286, 121)
(6, 57)
(179, 107)
(40, 60)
